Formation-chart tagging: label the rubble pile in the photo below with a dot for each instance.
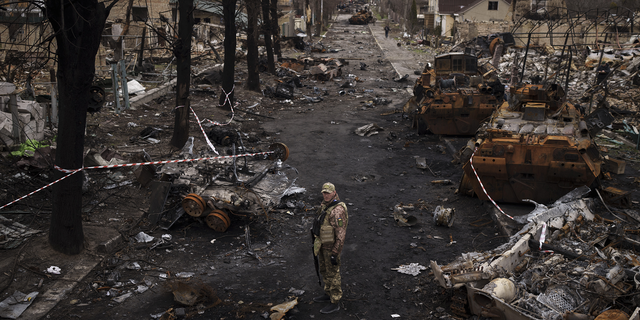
(546, 64)
(565, 260)
(29, 114)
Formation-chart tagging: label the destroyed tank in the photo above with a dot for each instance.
(536, 146)
(361, 17)
(456, 97)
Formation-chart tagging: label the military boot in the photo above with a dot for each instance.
(330, 308)
(323, 298)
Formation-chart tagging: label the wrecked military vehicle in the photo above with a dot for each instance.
(241, 186)
(565, 262)
(536, 146)
(456, 97)
(361, 17)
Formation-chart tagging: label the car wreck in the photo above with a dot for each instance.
(455, 97)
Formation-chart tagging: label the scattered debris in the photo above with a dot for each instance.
(574, 257)
(13, 306)
(54, 270)
(368, 130)
(281, 309)
(401, 216)
(443, 216)
(12, 233)
(412, 269)
(191, 293)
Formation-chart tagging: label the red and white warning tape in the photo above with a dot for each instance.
(482, 186)
(74, 171)
(205, 135)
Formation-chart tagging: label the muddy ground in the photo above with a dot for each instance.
(372, 175)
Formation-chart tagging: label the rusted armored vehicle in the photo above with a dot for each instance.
(361, 17)
(455, 97)
(536, 146)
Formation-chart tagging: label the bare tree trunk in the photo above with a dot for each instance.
(266, 25)
(182, 51)
(229, 10)
(275, 28)
(253, 78)
(78, 28)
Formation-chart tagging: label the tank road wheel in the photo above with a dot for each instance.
(280, 151)
(218, 220)
(193, 205)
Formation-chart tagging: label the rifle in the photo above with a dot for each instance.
(315, 259)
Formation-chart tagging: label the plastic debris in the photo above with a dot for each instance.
(185, 274)
(368, 130)
(412, 269)
(143, 237)
(122, 298)
(297, 292)
(54, 270)
(13, 306)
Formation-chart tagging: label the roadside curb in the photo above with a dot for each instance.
(382, 49)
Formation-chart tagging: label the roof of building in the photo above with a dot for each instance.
(460, 6)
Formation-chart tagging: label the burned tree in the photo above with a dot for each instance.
(182, 52)
(266, 30)
(253, 78)
(229, 10)
(78, 29)
(275, 28)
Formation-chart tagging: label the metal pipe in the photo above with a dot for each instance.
(566, 84)
(524, 63)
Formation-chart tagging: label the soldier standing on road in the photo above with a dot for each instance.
(329, 231)
(386, 31)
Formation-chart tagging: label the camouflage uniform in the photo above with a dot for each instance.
(338, 218)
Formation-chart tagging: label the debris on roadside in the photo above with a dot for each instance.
(565, 258)
(410, 269)
(279, 311)
(14, 305)
(402, 218)
(12, 233)
(368, 130)
(443, 216)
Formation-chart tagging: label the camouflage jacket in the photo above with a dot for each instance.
(338, 218)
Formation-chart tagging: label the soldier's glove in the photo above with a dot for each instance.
(334, 260)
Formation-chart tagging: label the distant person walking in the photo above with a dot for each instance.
(386, 31)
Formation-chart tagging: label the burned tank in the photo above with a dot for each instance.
(536, 146)
(361, 17)
(456, 97)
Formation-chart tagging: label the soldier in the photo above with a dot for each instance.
(329, 232)
(386, 31)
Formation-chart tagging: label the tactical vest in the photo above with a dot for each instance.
(323, 229)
